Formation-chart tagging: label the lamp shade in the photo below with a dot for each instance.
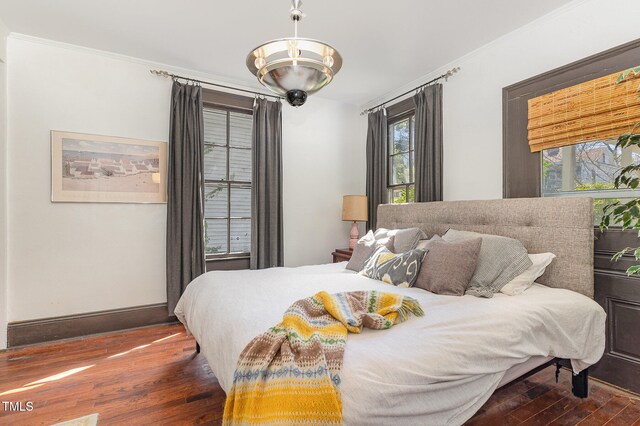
(354, 208)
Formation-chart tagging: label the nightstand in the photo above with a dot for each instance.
(340, 255)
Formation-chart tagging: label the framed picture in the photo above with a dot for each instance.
(107, 169)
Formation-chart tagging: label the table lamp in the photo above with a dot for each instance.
(354, 208)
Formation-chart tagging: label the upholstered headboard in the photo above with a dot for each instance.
(560, 225)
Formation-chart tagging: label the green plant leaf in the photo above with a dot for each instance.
(622, 76)
(627, 169)
(621, 253)
(633, 270)
(628, 214)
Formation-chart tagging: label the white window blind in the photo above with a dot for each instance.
(227, 172)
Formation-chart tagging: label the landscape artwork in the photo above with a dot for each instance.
(93, 168)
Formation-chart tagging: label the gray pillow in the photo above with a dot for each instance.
(399, 269)
(365, 248)
(501, 259)
(448, 266)
(403, 239)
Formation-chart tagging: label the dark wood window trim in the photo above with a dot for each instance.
(400, 108)
(618, 294)
(521, 168)
(395, 113)
(214, 98)
(229, 103)
(411, 181)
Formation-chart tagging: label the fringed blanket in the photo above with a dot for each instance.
(291, 373)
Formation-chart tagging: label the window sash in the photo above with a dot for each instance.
(575, 167)
(601, 193)
(229, 184)
(405, 186)
(410, 116)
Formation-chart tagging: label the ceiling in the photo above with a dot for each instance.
(385, 44)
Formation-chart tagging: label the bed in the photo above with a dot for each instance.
(441, 368)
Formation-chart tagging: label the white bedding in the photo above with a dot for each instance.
(436, 370)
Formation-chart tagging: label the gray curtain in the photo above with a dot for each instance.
(185, 191)
(428, 143)
(376, 164)
(266, 197)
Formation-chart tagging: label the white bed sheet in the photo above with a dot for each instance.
(519, 369)
(438, 369)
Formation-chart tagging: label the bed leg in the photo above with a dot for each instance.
(197, 347)
(580, 384)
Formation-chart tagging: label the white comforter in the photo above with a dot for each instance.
(434, 370)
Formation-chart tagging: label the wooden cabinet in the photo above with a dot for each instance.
(341, 255)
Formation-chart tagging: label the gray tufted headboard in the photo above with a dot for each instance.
(560, 225)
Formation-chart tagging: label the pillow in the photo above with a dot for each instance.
(448, 266)
(422, 244)
(501, 259)
(525, 280)
(365, 248)
(400, 269)
(404, 239)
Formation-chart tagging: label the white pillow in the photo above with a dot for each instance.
(525, 280)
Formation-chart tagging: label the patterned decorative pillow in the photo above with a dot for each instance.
(399, 269)
(501, 259)
(365, 248)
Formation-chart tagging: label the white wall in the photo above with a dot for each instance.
(68, 258)
(324, 158)
(3, 181)
(472, 99)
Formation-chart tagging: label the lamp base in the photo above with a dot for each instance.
(353, 236)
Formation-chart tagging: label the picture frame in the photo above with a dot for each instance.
(90, 168)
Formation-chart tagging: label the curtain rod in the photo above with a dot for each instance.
(446, 76)
(166, 74)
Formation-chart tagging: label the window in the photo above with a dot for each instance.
(587, 169)
(400, 170)
(227, 173)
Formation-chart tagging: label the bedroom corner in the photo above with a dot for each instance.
(318, 166)
(322, 163)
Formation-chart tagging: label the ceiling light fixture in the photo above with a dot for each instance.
(294, 67)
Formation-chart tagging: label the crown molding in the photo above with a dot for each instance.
(201, 75)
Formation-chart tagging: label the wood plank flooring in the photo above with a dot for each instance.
(152, 376)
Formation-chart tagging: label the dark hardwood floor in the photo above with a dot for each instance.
(152, 376)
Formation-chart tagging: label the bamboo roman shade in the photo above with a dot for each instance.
(595, 110)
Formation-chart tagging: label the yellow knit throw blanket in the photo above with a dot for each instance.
(291, 373)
